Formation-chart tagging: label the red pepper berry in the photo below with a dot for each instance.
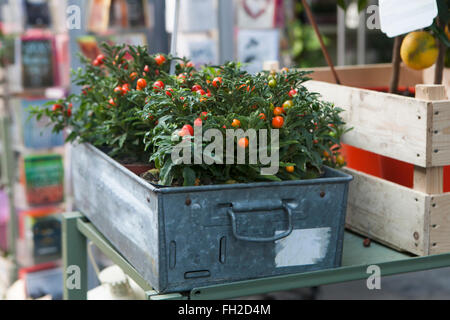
(186, 130)
(57, 107)
(196, 87)
(101, 58)
(198, 122)
(133, 75)
(169, 92)
(125, 89)
(293, 93)
(141, 84)
(217, 82)
(160, 59)
(158, 85)
(112, 102)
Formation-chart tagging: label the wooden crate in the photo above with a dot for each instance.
(413, 130)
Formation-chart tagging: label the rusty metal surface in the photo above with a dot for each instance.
(182, 238)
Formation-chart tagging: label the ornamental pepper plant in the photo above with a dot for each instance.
(133, 109)
(106, 114)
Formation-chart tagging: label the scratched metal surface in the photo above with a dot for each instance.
(177, 244)
(117, 204)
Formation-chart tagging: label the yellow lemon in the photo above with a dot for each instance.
(419, 50)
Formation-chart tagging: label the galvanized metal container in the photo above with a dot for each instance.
(187, 237)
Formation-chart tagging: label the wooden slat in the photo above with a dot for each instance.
(440, 145)
(375, 75)
(439, 209)
(438, 112)
(391, 125)
(430, 92)
(389, 213)
(431, 179)
(428, 77)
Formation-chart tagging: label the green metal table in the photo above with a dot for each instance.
(77, 230)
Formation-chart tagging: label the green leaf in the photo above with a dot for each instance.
(72, 136)
(189, 176)
(362, 4)
(342, 4)
(166, 177)
(443, 11)
(270, 178)
(440, 34)
(122, 140)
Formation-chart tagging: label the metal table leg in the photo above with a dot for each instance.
(8, 174)
(74, 258)
(76, 232)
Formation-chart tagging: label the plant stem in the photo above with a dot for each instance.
(396, 59)
(440, 64)
(313, 22)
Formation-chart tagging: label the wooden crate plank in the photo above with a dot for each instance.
(439, 209)
(431, 92)
(429, 180)
(440, 130)
(374, 75)
(389, 213)
(387, 124)
(428, 77)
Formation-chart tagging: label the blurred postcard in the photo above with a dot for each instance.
(98, 18)
(257, 46)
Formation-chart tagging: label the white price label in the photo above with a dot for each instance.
(403, 16)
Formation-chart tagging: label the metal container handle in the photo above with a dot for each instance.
(269, 239)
